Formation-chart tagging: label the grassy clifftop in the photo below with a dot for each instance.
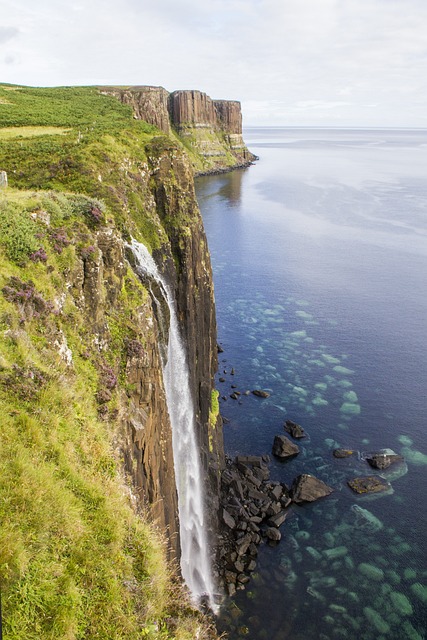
(76, 559)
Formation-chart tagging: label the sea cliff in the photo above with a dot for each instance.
(210, 130)
(87, 468)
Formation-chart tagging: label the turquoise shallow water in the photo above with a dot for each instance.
(319, 254)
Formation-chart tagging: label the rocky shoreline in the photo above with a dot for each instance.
(253, 507)
(217, 172)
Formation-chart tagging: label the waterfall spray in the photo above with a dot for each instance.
(195, 562)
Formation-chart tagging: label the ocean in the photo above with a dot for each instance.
(319, 254)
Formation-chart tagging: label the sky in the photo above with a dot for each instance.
(289, 62)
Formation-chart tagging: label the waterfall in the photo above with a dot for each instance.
(195, 561)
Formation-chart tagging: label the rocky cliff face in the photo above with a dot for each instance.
(80, 355)
(145, 183)
(148, 103)
(191, 276)
(210, 129)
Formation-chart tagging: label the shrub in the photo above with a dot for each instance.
(29, 301)
(17, 233)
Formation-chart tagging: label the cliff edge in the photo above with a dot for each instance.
(210, 130)
(88, 497)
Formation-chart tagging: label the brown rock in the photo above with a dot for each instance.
(368, 484)
(228, 519)
(343, 453)
(260, 393)
(383, 460)
(294, 429)
(273, 534)
(284, 448)
(278, 520)
(307, 488)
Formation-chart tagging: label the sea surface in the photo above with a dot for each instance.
(319, 253)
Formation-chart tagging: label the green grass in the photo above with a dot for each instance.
(30, 132)
(60, 107)
(76, 562)
(78, 140)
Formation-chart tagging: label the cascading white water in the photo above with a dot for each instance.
(195, 563)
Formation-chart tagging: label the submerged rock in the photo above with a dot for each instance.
(260, 393)
(371, 572)
(410, 632)
(376, 620)
(284, 448)
(420, 591)
(401, 603)
(382, 460)
(368, 484)
(336, 552)
(343, 453)
(366, 520)
(307, 488)
(295, 430)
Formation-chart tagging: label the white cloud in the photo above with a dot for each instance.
(339, 57)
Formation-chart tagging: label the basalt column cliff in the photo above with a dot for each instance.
(210, 130)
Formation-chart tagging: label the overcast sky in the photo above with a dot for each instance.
(290, 62)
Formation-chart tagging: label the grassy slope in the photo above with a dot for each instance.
(75, 560)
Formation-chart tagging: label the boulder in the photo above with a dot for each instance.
(294, 429)
(273, 534)
(283, 447)
(383, 460)
(278, 519)
(228, 519)
(307, 488)
(260, 393)
(343, 453)
(255, 461)
(368, 484)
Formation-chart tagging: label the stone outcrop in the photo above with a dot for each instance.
(148, 103)
(229, 114)
(144, 430)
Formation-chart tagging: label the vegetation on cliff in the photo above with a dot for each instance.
(79, 557)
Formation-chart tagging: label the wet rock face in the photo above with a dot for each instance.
(146, 441)
(142, 428)
(186, 266)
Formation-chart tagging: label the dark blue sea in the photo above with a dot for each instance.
(319, 253)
